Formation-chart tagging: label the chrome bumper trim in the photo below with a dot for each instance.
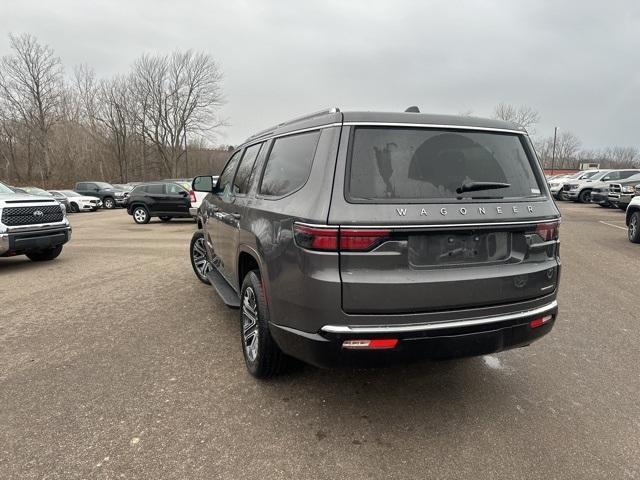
(438, 325)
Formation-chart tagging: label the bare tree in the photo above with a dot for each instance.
(116, 118)
(522, 115)
(567, 151)
(182, 93)
(31, 91)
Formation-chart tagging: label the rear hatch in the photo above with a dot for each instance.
(435, 219)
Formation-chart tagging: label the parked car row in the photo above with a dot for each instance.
(607, 188)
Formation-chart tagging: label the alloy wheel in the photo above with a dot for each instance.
(199, 254)
(108, 203)
(140, 215)
(250, 324)
(633, 227)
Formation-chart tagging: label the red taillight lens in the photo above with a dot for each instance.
(361, 240)
(334, 239)
(192, 196)
(548, 231)
(316, 238)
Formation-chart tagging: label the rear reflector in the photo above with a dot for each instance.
(538, 322)
(375, 344)
(192, 196)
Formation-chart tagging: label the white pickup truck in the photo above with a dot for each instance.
(30, 225)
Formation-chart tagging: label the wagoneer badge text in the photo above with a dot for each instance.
(464, 210)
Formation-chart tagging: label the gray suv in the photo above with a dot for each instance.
(358, 238)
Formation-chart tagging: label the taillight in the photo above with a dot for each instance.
(548, 231)
(356, 240)
(338, 239)
(316, 238)
(192, 196)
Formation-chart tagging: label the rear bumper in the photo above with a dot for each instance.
(193, 211)
(436, 340)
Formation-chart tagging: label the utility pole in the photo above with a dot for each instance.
(553, 156)
(186, 157)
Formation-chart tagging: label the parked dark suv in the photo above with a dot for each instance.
(165, 200)
(107, 193)
(358, 237)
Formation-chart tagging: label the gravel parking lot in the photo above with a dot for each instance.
(115, 362)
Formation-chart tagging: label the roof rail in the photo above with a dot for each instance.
(308, 116)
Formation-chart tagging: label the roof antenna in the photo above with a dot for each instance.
(413, 109)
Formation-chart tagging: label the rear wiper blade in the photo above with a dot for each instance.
(475, 186)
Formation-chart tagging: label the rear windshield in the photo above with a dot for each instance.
(419, 165)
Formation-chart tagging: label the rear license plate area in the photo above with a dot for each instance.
(466, 248)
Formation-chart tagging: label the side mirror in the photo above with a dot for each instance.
(203, 183)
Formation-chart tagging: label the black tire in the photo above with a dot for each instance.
(140, 215)
(604, 205)
(634, 228)
(262, 355)
(109, 203)
(585, 196)
(165, 218)
(73, 207)
(44, 255)
(198, 254)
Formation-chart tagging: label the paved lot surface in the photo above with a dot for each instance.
(115, 362)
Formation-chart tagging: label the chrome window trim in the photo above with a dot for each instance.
(434, 125)
(267, 137)
(438, 325)
(433, 225)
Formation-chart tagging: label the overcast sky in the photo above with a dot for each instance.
(576, 62)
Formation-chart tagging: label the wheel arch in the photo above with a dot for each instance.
(135, 205)
(631, 209)
(249, 259)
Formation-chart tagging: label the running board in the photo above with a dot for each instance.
(225, 292)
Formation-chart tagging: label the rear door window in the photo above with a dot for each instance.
(422, 165)
(241, 181)
(155, 189)
(289, 163)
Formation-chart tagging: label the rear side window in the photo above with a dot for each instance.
(241, 182)
(155, 189)
(174, 188)
(417, 164)
(289, 163)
